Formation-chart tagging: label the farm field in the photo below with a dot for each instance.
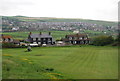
(74, 62)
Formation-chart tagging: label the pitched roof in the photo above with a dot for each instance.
(40, 36)
(77, 35)
(6, 36)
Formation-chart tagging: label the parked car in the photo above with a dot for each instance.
(34, 44)
(44, 44)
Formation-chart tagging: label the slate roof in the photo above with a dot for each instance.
(77, 35)
(40, 36)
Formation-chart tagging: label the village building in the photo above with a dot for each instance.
(76, 31)
(15, 28)
(8, 39)
(76, 39)
(41, 39)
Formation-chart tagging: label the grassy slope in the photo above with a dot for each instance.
(58, 35)
(86, 62)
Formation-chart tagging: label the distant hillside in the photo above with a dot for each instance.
(52, 19)
(23, 23)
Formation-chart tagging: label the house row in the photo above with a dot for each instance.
(76, 39)
(47, 39)
(41, 38)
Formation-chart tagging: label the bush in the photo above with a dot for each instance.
(49, 69)
(116, 44)
(102, 40)
(8, 45)
(118, 38)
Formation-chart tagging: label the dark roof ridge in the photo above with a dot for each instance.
(78, 34)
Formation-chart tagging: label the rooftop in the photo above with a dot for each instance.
(40, 36)
(77, 35)
(6, 36)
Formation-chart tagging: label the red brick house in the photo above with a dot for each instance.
(76, 39)
(8, 39)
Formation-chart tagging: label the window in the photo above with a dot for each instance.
(75, 42)
(39, 42)
(70, 38)
(80, 38)
(44, 42)
(34, 39)
(44, 39)
(48, 39)
(1, 39)
(11, 40)
(34, 42)
(75, 38)
(6, 40)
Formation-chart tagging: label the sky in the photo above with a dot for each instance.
(106, 10)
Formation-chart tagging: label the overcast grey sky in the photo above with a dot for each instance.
(87, 9)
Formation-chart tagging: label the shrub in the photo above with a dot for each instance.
(8, 45)
(49, 69)
(118, 38)
(102, 40)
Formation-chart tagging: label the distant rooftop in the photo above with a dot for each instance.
(42, 35)
(77, 35)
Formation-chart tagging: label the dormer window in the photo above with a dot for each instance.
(70, 38)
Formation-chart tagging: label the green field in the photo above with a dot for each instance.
(75, 62)
(24, 35)
(56, 34)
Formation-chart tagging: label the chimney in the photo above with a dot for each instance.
(77, 34)
(49, 33)
(30, 33)
(40, 33)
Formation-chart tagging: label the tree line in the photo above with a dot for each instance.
(106, 40)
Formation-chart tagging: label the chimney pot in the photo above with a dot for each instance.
(40, 33)
(49, 33)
